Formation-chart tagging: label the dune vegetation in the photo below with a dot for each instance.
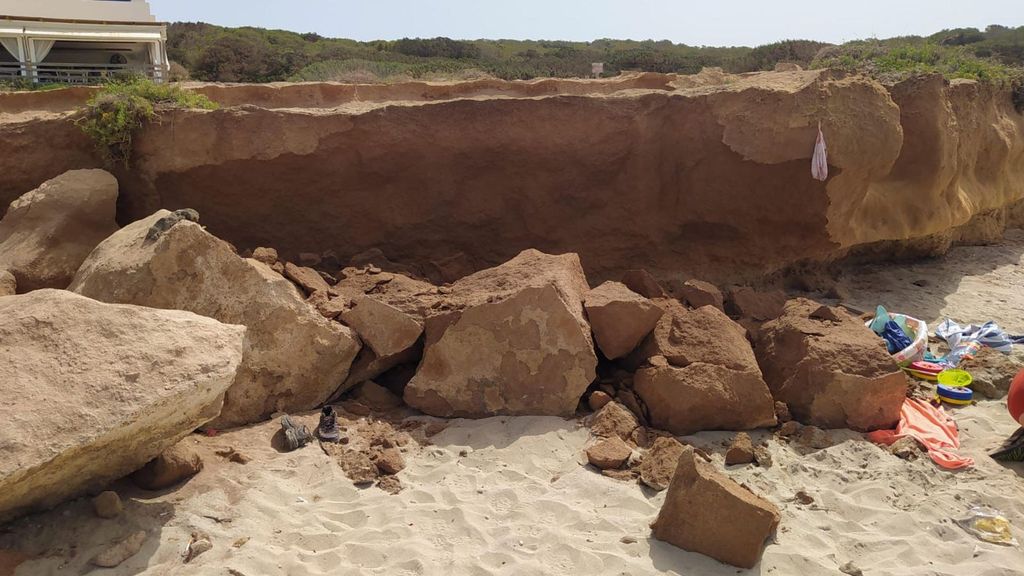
(212, 53)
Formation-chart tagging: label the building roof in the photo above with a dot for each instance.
(109, 11)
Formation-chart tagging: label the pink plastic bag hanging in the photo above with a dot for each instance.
(819, 163)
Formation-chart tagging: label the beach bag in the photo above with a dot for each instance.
(819, 162)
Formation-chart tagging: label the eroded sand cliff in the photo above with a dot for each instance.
(706, 175)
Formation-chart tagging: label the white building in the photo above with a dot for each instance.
(80, 41)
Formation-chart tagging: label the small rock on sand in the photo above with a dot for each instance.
(741, 451)
(121, 551)
(906, 448)
(609, 453)
(789, 428)
(358, 466)
(762, 456)
(107, 505)
(175, 465)
(200, 543)
(390, 484)
(389, 461)
(814, 437)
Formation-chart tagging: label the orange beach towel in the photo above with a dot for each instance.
(932, 428)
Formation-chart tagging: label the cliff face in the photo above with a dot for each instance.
(706, 175)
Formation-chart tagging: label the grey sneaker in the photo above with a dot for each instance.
(296, 436)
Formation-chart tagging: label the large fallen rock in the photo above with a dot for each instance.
(48, 232)
(706, 335)
(704, 397)
(294, 357)
(93, 391)
(516, 343)
(620, 318)
(698, 372)
(706, 512)
(390, 336)
(830, 373)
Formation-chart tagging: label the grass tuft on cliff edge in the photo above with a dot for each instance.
(121, 107)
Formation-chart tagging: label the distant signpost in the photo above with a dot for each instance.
(597, 68)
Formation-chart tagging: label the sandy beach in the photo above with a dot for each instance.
(511, 495)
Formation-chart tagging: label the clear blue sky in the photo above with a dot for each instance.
(702, 22)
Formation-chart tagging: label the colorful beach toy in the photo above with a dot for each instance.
(925, 370)
(954, 395)
(955, 378)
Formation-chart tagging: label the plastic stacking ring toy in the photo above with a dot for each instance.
(953, 395)
(955, 378)
(924, 370)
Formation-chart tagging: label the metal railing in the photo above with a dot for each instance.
(59, 73)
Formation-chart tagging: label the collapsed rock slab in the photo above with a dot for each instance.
(516, 342)
(294, 357)
(704, 397)
(698, 372)
(707, 513)
(705, 335)
(93, 391)
(385, 329)
(830, 374)
(48, 232)
(620, 318)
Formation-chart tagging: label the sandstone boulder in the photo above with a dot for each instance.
(698, 293)
(516, 342)
(294, 358)
(704, 397)
(620, 318)
(698, 372)
(93, 391)
(385, 329)
(707, 513)
(48, 232)
(830, 374)
(173, 466)
(705, 335)
(389, 334)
